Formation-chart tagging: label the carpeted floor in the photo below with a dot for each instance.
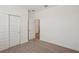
(38, 46)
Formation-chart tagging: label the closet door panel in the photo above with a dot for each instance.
(14, 30)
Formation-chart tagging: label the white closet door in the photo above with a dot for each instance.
(4, 42)
(14, 30)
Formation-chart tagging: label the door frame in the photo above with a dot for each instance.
(28, 25)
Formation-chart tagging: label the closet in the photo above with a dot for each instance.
(10, 30)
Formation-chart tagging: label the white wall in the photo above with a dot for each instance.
(4, 41)
(60, 25)
(19, 11)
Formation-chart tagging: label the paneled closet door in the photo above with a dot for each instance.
(4, 41)
(15, 27)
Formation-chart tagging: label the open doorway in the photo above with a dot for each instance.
(37, 29)
(33, 26)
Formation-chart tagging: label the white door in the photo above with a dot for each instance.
(31, 26)
(14, 30)
(4, 42)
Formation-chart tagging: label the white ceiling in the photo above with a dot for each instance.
(37, 7)
(32, 7)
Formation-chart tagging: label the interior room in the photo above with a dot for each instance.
(39, 28)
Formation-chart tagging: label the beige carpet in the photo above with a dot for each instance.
(37, 46)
